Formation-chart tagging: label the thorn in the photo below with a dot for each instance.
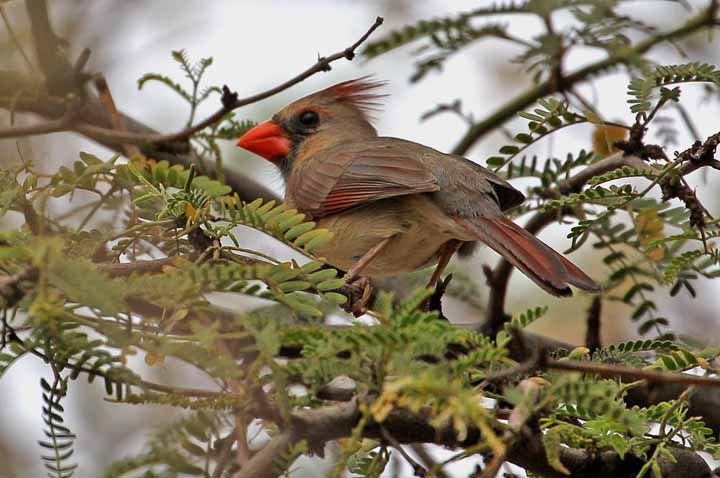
(229, 98)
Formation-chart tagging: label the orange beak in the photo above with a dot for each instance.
(267, 140)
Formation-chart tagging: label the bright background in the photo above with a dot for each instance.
(260, 43)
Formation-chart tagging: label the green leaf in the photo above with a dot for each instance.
(299, 230)
(553, 445)
(9, 189)
(335, 298)
(523, 138)
(331, 284)
(618, 443)
(90, 159)
(495, 161)
(509, 149)
(81, 282)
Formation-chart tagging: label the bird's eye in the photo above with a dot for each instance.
(309, 118)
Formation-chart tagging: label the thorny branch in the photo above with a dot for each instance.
(630, 373)
(322, 425)
(706, 18)
(230, 102)
(61, 77)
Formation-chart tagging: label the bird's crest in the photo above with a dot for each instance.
(360, 93)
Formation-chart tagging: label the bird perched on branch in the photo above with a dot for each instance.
(393, 205)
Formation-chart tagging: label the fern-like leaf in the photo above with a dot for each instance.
(641, 88)
(60, 439)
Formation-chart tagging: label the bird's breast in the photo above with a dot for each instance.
(418, 229)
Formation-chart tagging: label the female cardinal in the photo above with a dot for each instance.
(394, 205)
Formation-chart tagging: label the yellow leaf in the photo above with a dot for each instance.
(553, 446)
(179, 314)
(152, 359)
(578, 353)
(541, 382)
(648, 224)
(604, 137)
(383, 406)
(190, 211)
(649, 228)
(656, 254)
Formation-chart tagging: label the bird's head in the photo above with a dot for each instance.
(330, 116)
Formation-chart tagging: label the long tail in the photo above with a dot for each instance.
(534, 258)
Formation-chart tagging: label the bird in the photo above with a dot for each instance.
(395, 206)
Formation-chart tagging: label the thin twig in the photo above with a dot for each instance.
(620, 371)
(116, 118)
(15, 39)
(230, 101)
(536, 357)
(527, 98)
(418, 469)
(123, 269)
(592, 333)
(186, 391)
(225, 455)
(51, 126)
(433, 467)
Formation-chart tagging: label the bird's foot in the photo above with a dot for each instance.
(434, 302)
(358, 291)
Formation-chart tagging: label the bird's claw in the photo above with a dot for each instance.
(434, 302)
(358, 291)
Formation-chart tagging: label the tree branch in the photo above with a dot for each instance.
(61, 77)
(231, 102)
(116, 119)
(53, 63)
(706, 18)
(51, 126)
(264, 463)
(26, 93)
(21, 92)
(11, 291)
(631, 373)
(322, 425)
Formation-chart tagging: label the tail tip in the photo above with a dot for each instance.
(589, 286)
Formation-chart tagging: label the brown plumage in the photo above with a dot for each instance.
(408, 203)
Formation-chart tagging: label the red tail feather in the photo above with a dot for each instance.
(534, 258)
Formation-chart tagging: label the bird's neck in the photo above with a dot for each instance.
(318, 143)
(315, 146)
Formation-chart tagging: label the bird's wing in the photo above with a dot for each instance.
(505, 194)
(351, 175)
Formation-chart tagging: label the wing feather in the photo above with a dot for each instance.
(352, 175)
